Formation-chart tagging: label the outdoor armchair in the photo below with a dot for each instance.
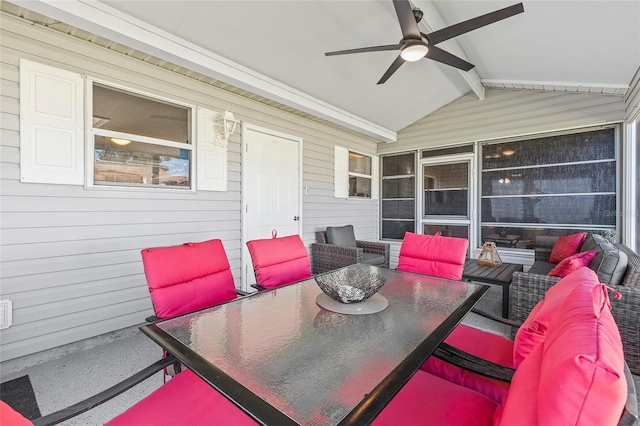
(337, 247)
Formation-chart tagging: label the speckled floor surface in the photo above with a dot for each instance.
(61, 382)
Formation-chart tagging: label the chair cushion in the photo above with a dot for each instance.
(10, 417)
(533, 331)
(489, 346)
(573, 263)
(567, 245)
(341, 236)
(541, 267)
(427, 399)
(373, 259)
(279, 261)
(433, 255)
(188, 277)
(186, 399)
(577, 375)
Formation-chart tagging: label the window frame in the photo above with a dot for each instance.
(92, 132)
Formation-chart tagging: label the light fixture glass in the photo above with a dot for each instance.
(414, 52)
(225, 125)
(509, 152)
(119, 141)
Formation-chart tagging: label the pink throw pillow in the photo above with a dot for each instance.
(566, 246)
(573, 263)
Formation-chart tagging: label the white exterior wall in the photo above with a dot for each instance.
(502, 114)
(70, 256)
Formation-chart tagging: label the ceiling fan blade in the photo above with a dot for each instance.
(472, 24)
(447, 58)
(393, 68)
(366, 49)
(407, 20)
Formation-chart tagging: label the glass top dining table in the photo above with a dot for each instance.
(283, 359)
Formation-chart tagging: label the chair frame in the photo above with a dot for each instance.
(327, 257)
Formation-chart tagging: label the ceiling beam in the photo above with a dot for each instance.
(102, 20)
(431, 21)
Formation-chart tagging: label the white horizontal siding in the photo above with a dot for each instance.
(632, 98)
(507, 113)
(70, 256)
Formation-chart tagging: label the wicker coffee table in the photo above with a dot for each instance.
(500, 275)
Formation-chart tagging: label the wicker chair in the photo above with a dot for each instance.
(328, 257)
(527, 289)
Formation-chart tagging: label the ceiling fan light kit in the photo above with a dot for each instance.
(414, 51)
(416, 45)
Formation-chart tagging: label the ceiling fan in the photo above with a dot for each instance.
(416, 45)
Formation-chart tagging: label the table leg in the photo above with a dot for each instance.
(505, 300)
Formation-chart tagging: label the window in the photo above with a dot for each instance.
(360, 175)
(554, 185)
(398, 195)
(140, 141)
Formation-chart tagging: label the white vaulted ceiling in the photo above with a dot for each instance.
(276, 49)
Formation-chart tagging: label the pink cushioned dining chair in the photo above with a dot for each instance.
(433, 255)
(279, 261)
(188, 277)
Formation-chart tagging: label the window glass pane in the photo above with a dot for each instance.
(359, 187)
(395, 229)
(125, 112)
(140, 164)
(398, 188)
(398, 209)
(593, 177)
(576, 209)
(587, 146)
(399, 165)
(524, 238)
(359, 163)
(447, 151)
(445, 189)
(458, 231)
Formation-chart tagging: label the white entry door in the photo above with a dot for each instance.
(271, 189)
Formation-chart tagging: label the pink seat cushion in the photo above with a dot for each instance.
(184, 400)
(532, 332)
(279, 261)
(188, 277)
(433, 255)
(485, 345)
(578, 370)
(573, 263)
(10, 417)
(566, 246)
(430, 400)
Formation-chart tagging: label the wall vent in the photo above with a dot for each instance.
(5, 314)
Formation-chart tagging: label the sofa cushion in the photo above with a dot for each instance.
(592, 241)
(533, 331)
(341, 236)
(567, 245)
(373, 259)
(573, 263)
(610, 264)
(632, 275)
(437, 256)
(541, 267)
(577, 375)
(427, 399)
(489, 346)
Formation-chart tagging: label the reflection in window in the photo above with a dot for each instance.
(140, 164)
(139, 141)
(567, 183)
(360, 175)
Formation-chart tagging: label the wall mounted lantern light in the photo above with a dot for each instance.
(225, 125)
